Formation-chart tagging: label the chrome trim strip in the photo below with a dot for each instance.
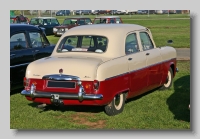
(80, 96)
(19, 65)
(60, 77)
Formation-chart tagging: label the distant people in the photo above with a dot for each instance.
(21, 19)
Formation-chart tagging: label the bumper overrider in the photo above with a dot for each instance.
(56, 97)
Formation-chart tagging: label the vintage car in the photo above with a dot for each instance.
(27, 43)
(45, 22)
(100, 65)
(63, 12)
(69, 23)
(107, 20)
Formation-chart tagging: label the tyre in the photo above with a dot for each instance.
(169, 79)
(116, 106)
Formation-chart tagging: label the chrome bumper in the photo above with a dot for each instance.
(58, 95)
(80, 96)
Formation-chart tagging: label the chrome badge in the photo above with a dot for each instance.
(60, 71)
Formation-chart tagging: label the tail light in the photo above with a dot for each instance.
(96, 84)
(26, 83)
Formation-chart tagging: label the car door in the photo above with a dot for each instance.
(155, 69)
(40, 45)
(137, 65)
(20, 56)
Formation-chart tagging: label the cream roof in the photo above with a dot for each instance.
(116, 34)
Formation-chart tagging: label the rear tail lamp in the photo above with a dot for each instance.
(26, 82)
(96, 84)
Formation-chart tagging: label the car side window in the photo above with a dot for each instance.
(131, 44)
(18, 42)
(54, 22)
(88, 21)
(81, 22)
(37, 39)
(118, 20)
(146, 41)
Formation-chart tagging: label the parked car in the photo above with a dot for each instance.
(104, 11)
(27, 43)
(121, 12)
(107, 19)
(69, 23)
(94, 12)
(172, 11)
(142, 12)
(100, 65)
(158, 11)
(63, 13)
(83, 12)
(19, 19)
(113, 12)
(46, 22)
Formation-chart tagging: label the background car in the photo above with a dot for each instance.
(158, 11)
(107, 20)
(104, 12)
(172, 11)
(113, 12)
(121, 12)
(94, 12)
(69, 23)
(27, 43)
(83, 12)
(46, 22)
(63, 12)
(142, 12)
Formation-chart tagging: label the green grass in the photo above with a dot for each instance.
(153, 110)
(163, 27)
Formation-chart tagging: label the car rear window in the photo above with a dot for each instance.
(85, 43)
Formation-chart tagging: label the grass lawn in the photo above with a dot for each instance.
(154, 110)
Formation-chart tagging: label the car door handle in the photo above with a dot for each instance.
(12, 55)
(37, 50)
(129, 58)
(147, 53)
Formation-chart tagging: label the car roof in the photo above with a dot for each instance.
(105, 29)
(78, 17)
(116, 34)
(43, 18)
(107, 17)
(16, 27)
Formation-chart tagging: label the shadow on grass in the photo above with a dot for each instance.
(92, 109)
(178, 102)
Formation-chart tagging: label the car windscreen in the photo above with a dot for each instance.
(69, 21)
(83, 43)
(36, 21)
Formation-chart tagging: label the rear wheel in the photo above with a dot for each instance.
(169, 79)
(116, 106)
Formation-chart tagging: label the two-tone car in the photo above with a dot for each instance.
(69, 23)
(100, 65)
